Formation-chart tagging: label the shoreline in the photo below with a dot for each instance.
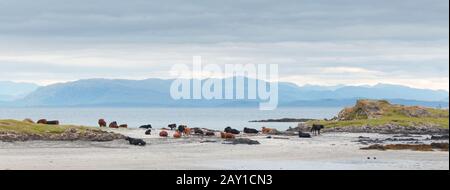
(329, 151)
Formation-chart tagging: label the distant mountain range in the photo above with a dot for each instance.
(10, 91)
(156, 93)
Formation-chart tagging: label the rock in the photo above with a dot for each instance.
(242, 141)
(28, 120)
(439, 137)
(442, 146)
(71, 134)
(123, 126)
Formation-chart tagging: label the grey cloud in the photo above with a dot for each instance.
(216, 21)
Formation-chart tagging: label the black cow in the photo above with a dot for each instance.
(149, 126)
(172, 126)
(250, 131)
(315, 129)
(232, 131)
(181, 128)
(198, 131)
(148, 132)
(303, 135)
(137, 142)
(55, 122)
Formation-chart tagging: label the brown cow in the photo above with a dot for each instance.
(102, 123)
(266, 130)
(113, 125)
(123, 126)
(163, 134)
(177, 135)
(187, 131)
(227, 135)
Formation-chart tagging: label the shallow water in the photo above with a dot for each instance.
(213, 118)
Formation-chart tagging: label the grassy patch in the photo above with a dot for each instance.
(31, 128)
(380, 112)
(401, 121)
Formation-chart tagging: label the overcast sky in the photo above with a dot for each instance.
(324, 42)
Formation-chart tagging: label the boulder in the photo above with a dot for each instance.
(27, 120)
(242, 141)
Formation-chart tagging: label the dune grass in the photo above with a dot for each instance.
(39, 129)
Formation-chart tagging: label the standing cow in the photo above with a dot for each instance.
(315, 129)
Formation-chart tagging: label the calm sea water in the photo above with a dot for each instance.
(213, 118)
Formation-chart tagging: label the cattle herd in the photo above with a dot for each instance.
(183, 130)
(228, 132)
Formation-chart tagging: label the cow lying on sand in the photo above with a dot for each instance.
(45, 122)
(266, 130)
(226, 135)
(137, 142)
(232, 131)
(250, 131)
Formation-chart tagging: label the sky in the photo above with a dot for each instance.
(321, 42)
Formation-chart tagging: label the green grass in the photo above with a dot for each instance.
(379, 112)
(39, 129)
(396, 120)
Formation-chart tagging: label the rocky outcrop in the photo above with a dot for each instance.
(71, 134)
(390, 129)
(372, 109)
(241, 141)
(414, 147)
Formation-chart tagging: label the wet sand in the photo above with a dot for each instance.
(335, 151)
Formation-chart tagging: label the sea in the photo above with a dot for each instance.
(211, 118)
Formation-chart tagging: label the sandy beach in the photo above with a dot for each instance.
(335, 151)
